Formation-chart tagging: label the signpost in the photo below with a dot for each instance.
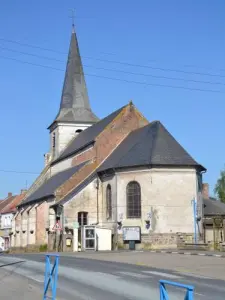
(57, 226)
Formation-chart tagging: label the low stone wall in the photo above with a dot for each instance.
(55, 243)
(154, 241)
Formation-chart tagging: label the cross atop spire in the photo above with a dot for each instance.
(73, 19)
(75, 106)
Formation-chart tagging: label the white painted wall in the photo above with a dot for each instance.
(2, 243)
(6, 220)
(61, 166)
(86, 201)
(64, 133)
(166, 194)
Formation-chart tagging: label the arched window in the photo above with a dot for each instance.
(133, 200)
(79, 130)
(109, 202)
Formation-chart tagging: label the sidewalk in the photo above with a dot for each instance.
(13, 286)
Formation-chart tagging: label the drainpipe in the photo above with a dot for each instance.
(116, 213)
(97, 189)
(194, 215)
(62, 215)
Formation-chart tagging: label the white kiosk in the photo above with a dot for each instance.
(96, 238)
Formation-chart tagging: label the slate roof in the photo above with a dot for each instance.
(48, 188)
(87, 137)
(213, 207)
(75, 106)
(150, 145)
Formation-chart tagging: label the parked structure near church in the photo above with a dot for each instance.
(119, 172)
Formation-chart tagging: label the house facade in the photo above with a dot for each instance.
(8, 211)
(122, 173)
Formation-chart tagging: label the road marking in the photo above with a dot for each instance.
(136, 275)
(187, 253)
(194, 275)
(200, 294)
(162, 274)
(174, 252)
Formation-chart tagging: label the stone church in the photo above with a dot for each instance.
(122, 171)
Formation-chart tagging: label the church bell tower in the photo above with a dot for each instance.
(75, 113)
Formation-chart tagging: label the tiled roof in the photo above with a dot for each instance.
(87, 137)
(78, 188)
(11, 207)
(5, 202)
(213, 207)
(150, 145)
(48, 188)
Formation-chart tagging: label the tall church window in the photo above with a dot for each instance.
(109, 202)
(133, 200)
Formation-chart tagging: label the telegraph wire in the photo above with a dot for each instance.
(115, 70)
(18, 172)
(118, 79)
(118, 62)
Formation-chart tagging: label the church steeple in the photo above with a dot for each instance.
(75, 106)
(75, 113)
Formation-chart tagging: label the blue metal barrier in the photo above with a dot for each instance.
(163, 292)
(51, 275)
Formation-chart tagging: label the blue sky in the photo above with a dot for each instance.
(184, 40)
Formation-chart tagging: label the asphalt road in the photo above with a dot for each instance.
(82, 279)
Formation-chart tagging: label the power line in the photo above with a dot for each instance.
(117, 79)
(31, 54)
(119, 62)
(116, 70)
(18, 172)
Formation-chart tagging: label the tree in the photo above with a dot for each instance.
(219, 189)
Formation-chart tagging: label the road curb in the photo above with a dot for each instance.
(188, 253)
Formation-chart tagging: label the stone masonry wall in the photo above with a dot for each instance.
(166, 196)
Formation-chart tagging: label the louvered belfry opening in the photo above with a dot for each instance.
(133, 200)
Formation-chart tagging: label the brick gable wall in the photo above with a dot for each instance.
(126, 121)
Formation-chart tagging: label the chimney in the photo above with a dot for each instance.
(205, 190)
(9, 194)
(23, 191)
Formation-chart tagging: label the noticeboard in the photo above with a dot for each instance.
(131, 233)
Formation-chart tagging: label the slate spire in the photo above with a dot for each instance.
(75, 106)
